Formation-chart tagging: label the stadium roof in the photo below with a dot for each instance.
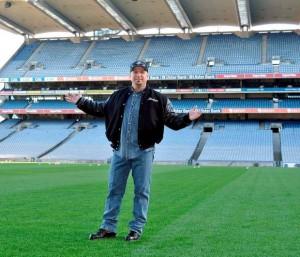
(31, 17)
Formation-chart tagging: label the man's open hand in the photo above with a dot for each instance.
(72, 98)
(194, 114)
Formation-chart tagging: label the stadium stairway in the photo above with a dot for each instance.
(16, 123)
(72, 124)
(33, 55)
(29, 105)
(16, 128)
(144, 49)
(208, 70)
(72, 134)
(7, 136)
(85, 56)
(277, 149)
(199, 147)
(264, 46)
(262, 125)
(202, 51)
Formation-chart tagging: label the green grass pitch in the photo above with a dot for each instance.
(49, 210)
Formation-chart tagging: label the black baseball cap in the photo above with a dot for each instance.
(139, 64)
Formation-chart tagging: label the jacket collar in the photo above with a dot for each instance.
(143, 91)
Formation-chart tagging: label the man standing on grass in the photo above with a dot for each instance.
(134, 118)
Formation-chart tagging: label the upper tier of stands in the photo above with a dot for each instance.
(173, 51)
(169, 56)
(286, 46)
(113, 57)
(58, 58)
(14, 67)
(233, 50)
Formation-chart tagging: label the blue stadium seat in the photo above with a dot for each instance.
(92, 138)
(16, 104)
(52, 104)
(285, 45)
(232, 50)
(238, 142)
(239, 103)
(13, 68)
(290, 142)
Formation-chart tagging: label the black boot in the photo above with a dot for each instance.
(132, 236)
(102, 234)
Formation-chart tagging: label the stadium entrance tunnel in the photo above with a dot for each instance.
(208, 127)
(277, 154)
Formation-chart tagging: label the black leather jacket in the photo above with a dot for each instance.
(155, 112)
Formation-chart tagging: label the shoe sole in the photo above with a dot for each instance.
(132, 239)
(91, 237)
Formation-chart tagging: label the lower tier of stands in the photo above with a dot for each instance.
(239, 145)
(183, 104)
(229, 141)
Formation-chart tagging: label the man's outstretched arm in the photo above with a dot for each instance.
(88, 106)
(178, 121)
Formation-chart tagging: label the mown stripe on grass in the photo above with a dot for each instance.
(255, 215)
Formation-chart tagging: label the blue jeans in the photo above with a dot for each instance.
(141, 167)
